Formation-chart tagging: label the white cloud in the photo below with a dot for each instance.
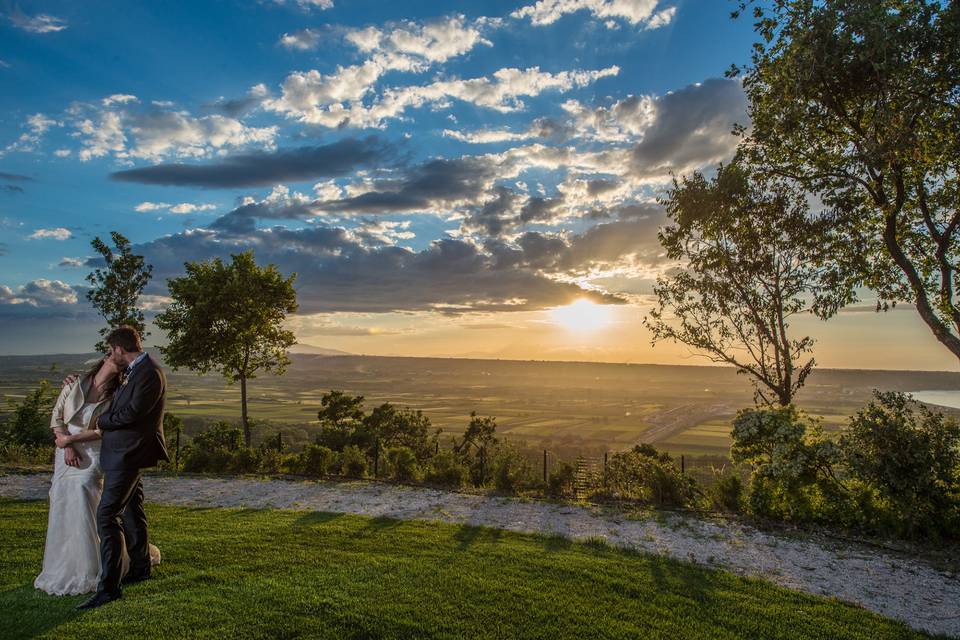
(53, 234)
(635, 12)
(414, 47)
(156, 134)
(187, 207)
(40, 23)
(73, 263)
(302, 40)
(183, 207)
(144, 207)
(118, 98)
(330, 99)
(62, 153)
(502, 92)
(39, 293)
(309, 4)
(37, 124)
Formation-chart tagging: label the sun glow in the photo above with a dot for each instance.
(582, 316)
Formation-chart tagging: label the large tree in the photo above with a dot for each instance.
(229, 317)
(747, 261)
(116, 288)
(859, 101)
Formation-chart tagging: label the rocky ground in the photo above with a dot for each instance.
(891, 584)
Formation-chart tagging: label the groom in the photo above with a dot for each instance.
(132, 432)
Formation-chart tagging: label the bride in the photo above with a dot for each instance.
(71, 557)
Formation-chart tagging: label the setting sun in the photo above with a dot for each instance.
(582, 316)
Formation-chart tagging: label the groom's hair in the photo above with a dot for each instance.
(125, 337)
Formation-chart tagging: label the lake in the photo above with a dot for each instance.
(941, 398)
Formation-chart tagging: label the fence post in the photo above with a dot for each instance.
(376, 458)
(279, 442)
(176, 453)
(544, 466)
(683, 466)
(605, 468)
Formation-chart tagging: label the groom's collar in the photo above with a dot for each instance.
(130, 366)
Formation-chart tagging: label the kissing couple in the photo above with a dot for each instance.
(108, 425)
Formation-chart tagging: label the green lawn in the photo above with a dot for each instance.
(279, 574)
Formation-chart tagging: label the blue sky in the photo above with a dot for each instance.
(440, 176)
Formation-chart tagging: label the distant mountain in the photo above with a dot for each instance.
(317, 351)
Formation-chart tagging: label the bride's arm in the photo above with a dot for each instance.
(60, 431)
(65, 439)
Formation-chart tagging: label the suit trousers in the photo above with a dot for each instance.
(121, 521)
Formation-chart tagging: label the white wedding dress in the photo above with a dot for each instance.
(71, 557)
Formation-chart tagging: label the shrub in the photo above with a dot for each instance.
(316, 460)
(793, 464)
(649, 476)
(403, 463)
(244, 460)
(445, 470)
(28, 422)
(910, 457)
(726, 493)
(213, 450)
(25, 454)
(513, 472)
(560, 481)
(354, 462)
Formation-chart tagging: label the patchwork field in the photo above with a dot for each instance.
(565, 407)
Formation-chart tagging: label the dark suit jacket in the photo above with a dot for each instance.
(132, 428)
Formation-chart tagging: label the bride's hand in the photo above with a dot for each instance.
(64, 441)
(70, 379)
(71, 457)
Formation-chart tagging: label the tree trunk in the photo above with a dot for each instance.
(243, 410)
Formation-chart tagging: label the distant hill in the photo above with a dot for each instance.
(317, 351)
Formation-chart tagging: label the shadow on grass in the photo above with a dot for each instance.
(468, 535)
(29, 612)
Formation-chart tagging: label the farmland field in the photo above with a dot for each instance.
(566, 407)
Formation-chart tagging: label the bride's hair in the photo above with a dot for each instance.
(112, 383)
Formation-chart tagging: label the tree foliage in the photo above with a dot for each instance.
(229, 317)
(116, 288)
(858, 100)
(748, 260)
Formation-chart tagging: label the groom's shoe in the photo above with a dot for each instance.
(98, 599)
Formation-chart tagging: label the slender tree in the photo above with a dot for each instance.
(229, 317)
(747, 263)
(115, 289)
(859, 100)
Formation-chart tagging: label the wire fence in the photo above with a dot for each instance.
(590, 467)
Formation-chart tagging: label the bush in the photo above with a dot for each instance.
(354, 462)
(28, 422)
(214, 449)
(513, 472)
(403, 463)
(726, 494)
(316, 460)
(244, 460)
(26, 454)
(647, 475)
(445, 470)
(560, 481)
(910, 457)
(793, 465)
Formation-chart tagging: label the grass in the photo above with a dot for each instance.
(281, 574)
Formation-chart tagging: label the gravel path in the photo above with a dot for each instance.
(900, 588)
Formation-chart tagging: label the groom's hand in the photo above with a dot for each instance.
(71, 457)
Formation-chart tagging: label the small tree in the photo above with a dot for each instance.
(748, 264)
(28, 421)
(229, 317)
(116, 288)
